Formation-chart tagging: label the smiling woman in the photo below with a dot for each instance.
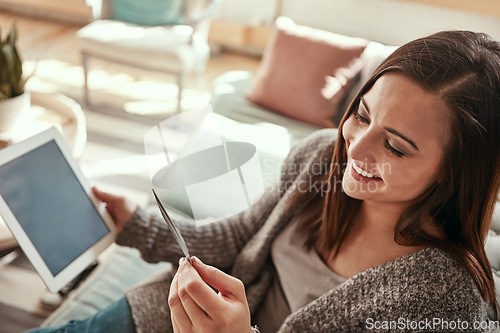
(410, 182)
(426, 126)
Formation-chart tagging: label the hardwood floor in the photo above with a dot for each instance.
(125, 104)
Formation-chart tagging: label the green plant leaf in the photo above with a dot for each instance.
(5, 88)
(11, 67)
(18, 74)
(4, 73)
(22, 84)
(12, 37)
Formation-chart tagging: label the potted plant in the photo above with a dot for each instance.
(13, 99)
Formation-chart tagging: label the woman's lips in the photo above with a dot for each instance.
(361, 178)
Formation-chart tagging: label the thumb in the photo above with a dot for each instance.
(104, 196)
(226, 284)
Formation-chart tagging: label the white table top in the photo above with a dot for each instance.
(51, 109)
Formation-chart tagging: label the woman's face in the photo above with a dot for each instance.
(395, 142)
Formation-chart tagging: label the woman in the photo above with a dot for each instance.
(397, 242)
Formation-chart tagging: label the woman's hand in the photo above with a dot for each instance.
(120, 208)
(195, 307)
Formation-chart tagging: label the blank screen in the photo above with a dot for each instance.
(51, 205)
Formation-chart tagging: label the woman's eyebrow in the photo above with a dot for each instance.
(391, 130)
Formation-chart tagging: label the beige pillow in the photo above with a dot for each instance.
(305, 72)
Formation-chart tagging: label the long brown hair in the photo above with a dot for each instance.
(462, 68)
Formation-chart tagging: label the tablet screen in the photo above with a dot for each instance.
(51, 205)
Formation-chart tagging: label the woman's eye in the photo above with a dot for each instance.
(359, 118)
(393, 150)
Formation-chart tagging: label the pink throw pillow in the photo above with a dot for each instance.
(305, 72)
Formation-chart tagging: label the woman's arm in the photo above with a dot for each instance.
(218, 243)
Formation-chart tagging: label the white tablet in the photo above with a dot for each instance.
(46, 202)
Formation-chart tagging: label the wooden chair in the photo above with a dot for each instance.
(133, 33)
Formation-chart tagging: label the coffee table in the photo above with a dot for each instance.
(51, 109)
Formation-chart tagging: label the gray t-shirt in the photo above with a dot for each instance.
(301, 277)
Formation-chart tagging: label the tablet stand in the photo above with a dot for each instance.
(9, 255)
(73, 284)
(50, 301)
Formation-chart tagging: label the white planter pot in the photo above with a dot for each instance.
(12, 109)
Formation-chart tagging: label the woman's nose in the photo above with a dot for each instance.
(361, 145)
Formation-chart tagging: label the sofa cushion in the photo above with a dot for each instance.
(229, 92)
(305, 72)
(149, 12)
(166, 48)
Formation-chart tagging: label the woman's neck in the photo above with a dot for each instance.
(379, 216)
(370, 241)
(381, 219)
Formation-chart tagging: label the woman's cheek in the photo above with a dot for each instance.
(347, 130)
(388, 171)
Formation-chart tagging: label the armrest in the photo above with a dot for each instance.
(206, 13)
(101, 9)
(199, 18)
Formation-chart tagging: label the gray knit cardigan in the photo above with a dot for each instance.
(411, 293)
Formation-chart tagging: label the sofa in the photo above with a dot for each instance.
(239, 118)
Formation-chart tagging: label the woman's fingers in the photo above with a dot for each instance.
(199, 292)
(175, 326)
(202, 308)
(231, 299)
(227, 285)
(120, 209)
(190, 283)
(180, 319)
(104, 196)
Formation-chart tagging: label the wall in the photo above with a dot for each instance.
(387, 21)
(246, 24)
(75, 11)
(486, 7)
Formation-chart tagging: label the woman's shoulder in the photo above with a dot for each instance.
(436, 284)
(317, 144)
(312, 152)
(416, 288)
(317, 140)
(434, 269)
